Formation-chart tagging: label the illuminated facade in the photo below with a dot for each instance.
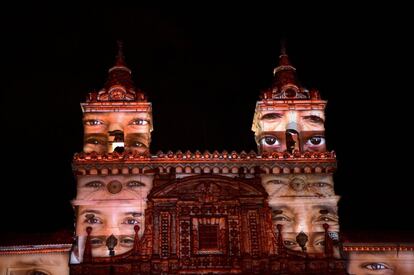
(273, 211)
(205, 212)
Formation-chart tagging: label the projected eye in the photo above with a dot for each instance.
(281, 219)
(275, 182)
(95, 184)
(270, 141)
(93, 122)
(92, 141)
(135, 184)
(130, 221)
(95, 141)
(289, 243)
(137, 144)
(96, 242)
(320, 242)
(320, 184)
(139, 121)
(127, 241)
(375, 266)
(327, 218)
(92, 219)
(316, 141)
(278, 216)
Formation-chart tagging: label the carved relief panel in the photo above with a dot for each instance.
(208, 220)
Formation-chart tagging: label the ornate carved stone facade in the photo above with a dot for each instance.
(271, 212)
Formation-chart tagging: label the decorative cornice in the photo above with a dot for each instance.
(377, 247)
(120, 106)
(35, 249)
(290, 104)
(206, 156)
(202, 163)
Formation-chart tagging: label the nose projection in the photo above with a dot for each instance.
(116, 141)
(292, 140)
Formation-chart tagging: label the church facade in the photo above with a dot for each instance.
(274, 211)
(270, 211)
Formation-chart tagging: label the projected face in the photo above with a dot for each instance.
(278, 131)
(125, 187)
(108, 220)
(297, 185)
(116, 131)
(381, 263)
(307, 215)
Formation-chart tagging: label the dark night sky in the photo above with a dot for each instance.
(203, 70)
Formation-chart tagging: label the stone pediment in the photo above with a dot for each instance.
(209, 188)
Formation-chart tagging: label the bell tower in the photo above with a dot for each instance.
(289, 121)
(111, 198)
(118, 117)
(289, 117)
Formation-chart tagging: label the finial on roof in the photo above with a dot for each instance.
(120, 58)
(284, 62)
(135, 249)
(281, 249)
(328, 242)
(87, 252)
(283, 46)
(285, 84)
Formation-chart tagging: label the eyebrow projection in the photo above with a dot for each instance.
(133, 214)
(271, 116)
(90, 211)
(314, 119)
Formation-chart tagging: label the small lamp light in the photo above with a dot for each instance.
(302, 239)
(111, 242)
